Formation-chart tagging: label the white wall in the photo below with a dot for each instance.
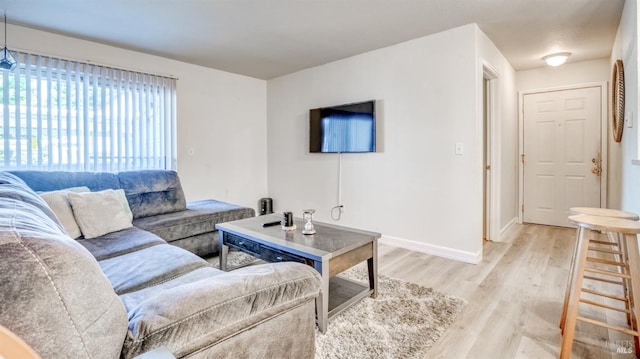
(626, 48)
(221, 116)
(415, 190)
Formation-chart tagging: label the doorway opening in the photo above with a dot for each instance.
(489, 205)
(486, 147)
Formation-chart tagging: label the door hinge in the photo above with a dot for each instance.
(522, 157)
(522, 209)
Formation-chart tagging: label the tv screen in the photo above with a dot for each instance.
(343, 129)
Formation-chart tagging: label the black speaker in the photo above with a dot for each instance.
(266, 206)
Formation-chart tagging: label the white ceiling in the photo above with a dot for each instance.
(269, 38)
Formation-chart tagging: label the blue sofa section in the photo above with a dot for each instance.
(157, 201)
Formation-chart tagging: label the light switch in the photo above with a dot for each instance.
(628, 119)
(459, 148)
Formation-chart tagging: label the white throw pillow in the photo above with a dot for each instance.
(125, 204)
(58, 201)
(99, 213)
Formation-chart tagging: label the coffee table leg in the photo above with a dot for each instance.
(372, 266)
(322, 301)
(373, 276)
(224, 250)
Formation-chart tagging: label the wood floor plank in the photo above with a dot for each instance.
(514, 297)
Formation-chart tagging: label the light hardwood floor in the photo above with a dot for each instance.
(514, 298)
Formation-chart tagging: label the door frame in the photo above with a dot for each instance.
(492, 75)
(603, 138)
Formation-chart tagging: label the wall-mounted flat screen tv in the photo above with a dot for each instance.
(343, 129)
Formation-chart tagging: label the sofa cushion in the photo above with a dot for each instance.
(54, 295)
(214, 309)
(152, 192)
(42, 181)
(199, 217)
(99, 213)
(148, 267)
(121, 242)
(133, 300)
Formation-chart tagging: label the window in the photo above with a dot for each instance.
(58, 114)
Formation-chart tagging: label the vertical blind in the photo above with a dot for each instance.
(59, 114)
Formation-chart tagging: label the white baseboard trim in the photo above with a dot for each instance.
(433, 249)
(506, 228)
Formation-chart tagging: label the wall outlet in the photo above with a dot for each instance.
(459, 148)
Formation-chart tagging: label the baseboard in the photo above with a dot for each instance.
(506, 228)
(432, 249)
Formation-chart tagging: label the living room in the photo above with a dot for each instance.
(241, 138)
(424, 84)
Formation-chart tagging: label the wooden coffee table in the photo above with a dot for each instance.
(332, 250)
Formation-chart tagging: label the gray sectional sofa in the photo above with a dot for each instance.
(128, 292)
(157, 201)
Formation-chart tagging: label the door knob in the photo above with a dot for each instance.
(597, 166)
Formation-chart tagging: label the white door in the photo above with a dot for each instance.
(561, 143)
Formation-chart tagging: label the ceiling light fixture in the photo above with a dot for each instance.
(7, 61)
(557, 59)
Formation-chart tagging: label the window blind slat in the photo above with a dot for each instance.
(57, 118)
(174, 131)
(67, 117)
(79, 111)
(17, 120)
(28, 122)
(119, 121)
(127, 120)
(39, 119)
(113, 117)
(149, 122)
(6, 123)
(49, 135)
(103, 121)
(134, 124)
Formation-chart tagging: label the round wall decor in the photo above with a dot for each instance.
(617, 100)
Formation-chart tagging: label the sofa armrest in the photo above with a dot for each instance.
(200, 314)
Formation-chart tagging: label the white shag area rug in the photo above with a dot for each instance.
(404, 321)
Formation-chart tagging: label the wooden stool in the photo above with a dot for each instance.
(12, 347)
(631, 271)
(615, 241)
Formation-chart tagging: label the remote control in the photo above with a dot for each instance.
(270, 224)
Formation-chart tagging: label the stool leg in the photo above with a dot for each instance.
(626, 283)
(574, 297)
(563, 317)
(634, 271)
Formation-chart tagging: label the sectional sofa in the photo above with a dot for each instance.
(123, 293)
(157, 202)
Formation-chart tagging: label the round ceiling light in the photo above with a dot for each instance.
(557, 59)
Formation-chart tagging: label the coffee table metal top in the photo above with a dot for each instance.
(329, 241)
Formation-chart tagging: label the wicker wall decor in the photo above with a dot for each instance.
(617, 100)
